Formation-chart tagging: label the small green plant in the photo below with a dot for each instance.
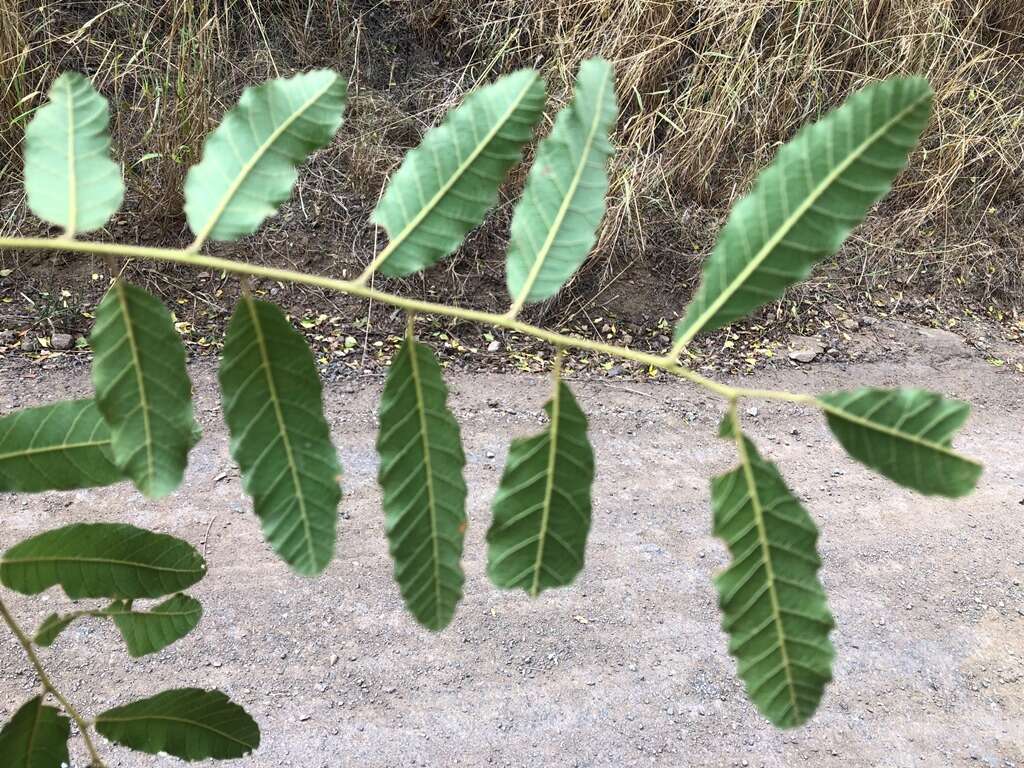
(140, 426)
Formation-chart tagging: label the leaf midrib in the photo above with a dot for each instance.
(72, 159)
(549, 485)
(247, 168)
(140, 381)
(421, 409)
(53, 449)
(563, 209)
(762, 537)
(895, 433)
(282, 428)
(172, 719)
(791, 222)
(96, 561)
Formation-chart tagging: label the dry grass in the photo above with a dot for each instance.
(12, 81)
(708, 89)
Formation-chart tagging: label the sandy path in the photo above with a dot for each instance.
(628, 667)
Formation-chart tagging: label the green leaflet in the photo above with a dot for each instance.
(70, 179)
(53, 625)
(102, 560)
(421, 463)
(187, 723)
(805, 203)
(36, 737)
(905, 434)
(279, 436)
(56, 447)
(146, 632)
(542, 509)
(555, 223)
(774, 607)
(142, 388)
(249, 162)
(446, 185)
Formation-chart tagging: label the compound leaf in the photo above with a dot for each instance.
(542, 509)
(70, 179)
(774, 607)
(187, 723)
(142, 388)
(421, 463)
(36, 737)
(555, 223)
(906, 435)
(249, 162)
(110, 560)
(55, 448)
(150, 631)
(446, 185)
(279, 436)
(805, 203)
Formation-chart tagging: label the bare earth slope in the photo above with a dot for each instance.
(628, 667)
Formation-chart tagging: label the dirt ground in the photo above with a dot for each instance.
(626, 668)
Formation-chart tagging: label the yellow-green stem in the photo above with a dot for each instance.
(355, 288)
(44, 678)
